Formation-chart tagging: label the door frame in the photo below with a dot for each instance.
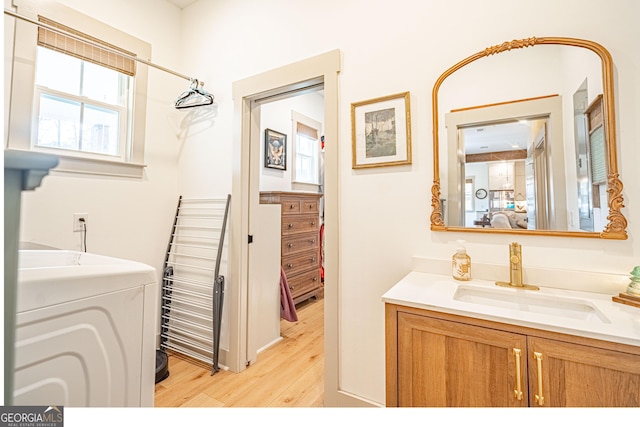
(325, 66)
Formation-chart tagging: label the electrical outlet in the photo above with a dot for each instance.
(78, 225)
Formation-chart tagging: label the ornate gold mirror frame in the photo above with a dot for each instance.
(617, 225)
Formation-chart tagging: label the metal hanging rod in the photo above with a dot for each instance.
(190, 282)
(188, 322)
(189, 266)
(101, 46)
(177, 254)
(197, 200)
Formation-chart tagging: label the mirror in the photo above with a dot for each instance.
(524, 142)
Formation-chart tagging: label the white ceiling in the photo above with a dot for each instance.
(182, 3)
(495, 137)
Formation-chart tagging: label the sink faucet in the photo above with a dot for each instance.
(515, 269)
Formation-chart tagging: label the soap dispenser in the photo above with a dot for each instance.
(461, 263)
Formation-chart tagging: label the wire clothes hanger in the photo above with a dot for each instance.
(195, 96)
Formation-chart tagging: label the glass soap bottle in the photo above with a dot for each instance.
(461, 263)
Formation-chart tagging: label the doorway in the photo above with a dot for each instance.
(286, 162)
(323, 69)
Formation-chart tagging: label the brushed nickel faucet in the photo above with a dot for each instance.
(515, 269)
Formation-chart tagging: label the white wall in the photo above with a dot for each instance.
(389, 48)
(277, 116)
(384, 213)
(128, 218)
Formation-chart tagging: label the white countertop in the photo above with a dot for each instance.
(614, 322)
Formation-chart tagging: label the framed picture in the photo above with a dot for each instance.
(381, 132)
(275, 149)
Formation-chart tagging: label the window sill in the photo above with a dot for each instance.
(86, 166)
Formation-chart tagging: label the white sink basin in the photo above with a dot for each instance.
(532, 302)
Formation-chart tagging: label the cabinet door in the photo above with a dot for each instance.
(567, 374)
(444, 363)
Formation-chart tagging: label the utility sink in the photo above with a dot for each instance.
(531, 302)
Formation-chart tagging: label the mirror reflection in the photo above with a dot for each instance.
(523, 144)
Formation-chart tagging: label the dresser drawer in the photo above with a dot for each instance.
(308, 206)
(298, 263)
(303, 283)
(290, 206)
(299, 242)
(299, 224)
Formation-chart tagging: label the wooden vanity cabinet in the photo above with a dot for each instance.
(300, 241)
(443, 363)
(437, 359)
(579, 375)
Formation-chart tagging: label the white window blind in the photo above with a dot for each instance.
(307, 131)
(85, 51)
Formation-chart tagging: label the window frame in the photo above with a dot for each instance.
(122, 110)
(19, 130)
(314, 124)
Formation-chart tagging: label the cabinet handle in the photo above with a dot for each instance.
(290, 265)
(289, 245)
(312, 240)
(313, 223)
(291, 206)
(290, 225)
(539, 396)
(313, 259)
(518, 390)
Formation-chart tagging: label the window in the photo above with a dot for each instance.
(79, 106)
(306, 136)
(469, 191)
(85, 101)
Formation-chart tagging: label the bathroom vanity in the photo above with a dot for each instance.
(452, 343)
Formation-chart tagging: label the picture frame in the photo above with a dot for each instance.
(275, 149)
(381, 131)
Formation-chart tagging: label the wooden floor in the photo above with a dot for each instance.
(287, 374)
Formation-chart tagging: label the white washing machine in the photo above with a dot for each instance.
(86, 330)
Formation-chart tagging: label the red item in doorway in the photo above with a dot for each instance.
(287, 306)
(322, 253)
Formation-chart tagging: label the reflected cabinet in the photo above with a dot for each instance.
(436, 359)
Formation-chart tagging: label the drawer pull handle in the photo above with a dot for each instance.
(290, 225)
(289, 245)
(291, 206)
(312, 240)
(292, 287)
(290, 265)
(313, 259)
(518, 390)
(313, 223)
(310, 206)
(539, 396)
(315, 279)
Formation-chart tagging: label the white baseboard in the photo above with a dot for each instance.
(348, 400)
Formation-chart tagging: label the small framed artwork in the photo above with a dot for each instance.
(381, 131)
(275, 149)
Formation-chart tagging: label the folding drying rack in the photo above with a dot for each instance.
(193, 289)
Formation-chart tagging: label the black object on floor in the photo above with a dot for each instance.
(162, 366)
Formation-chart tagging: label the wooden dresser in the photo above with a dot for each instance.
(300, 240)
